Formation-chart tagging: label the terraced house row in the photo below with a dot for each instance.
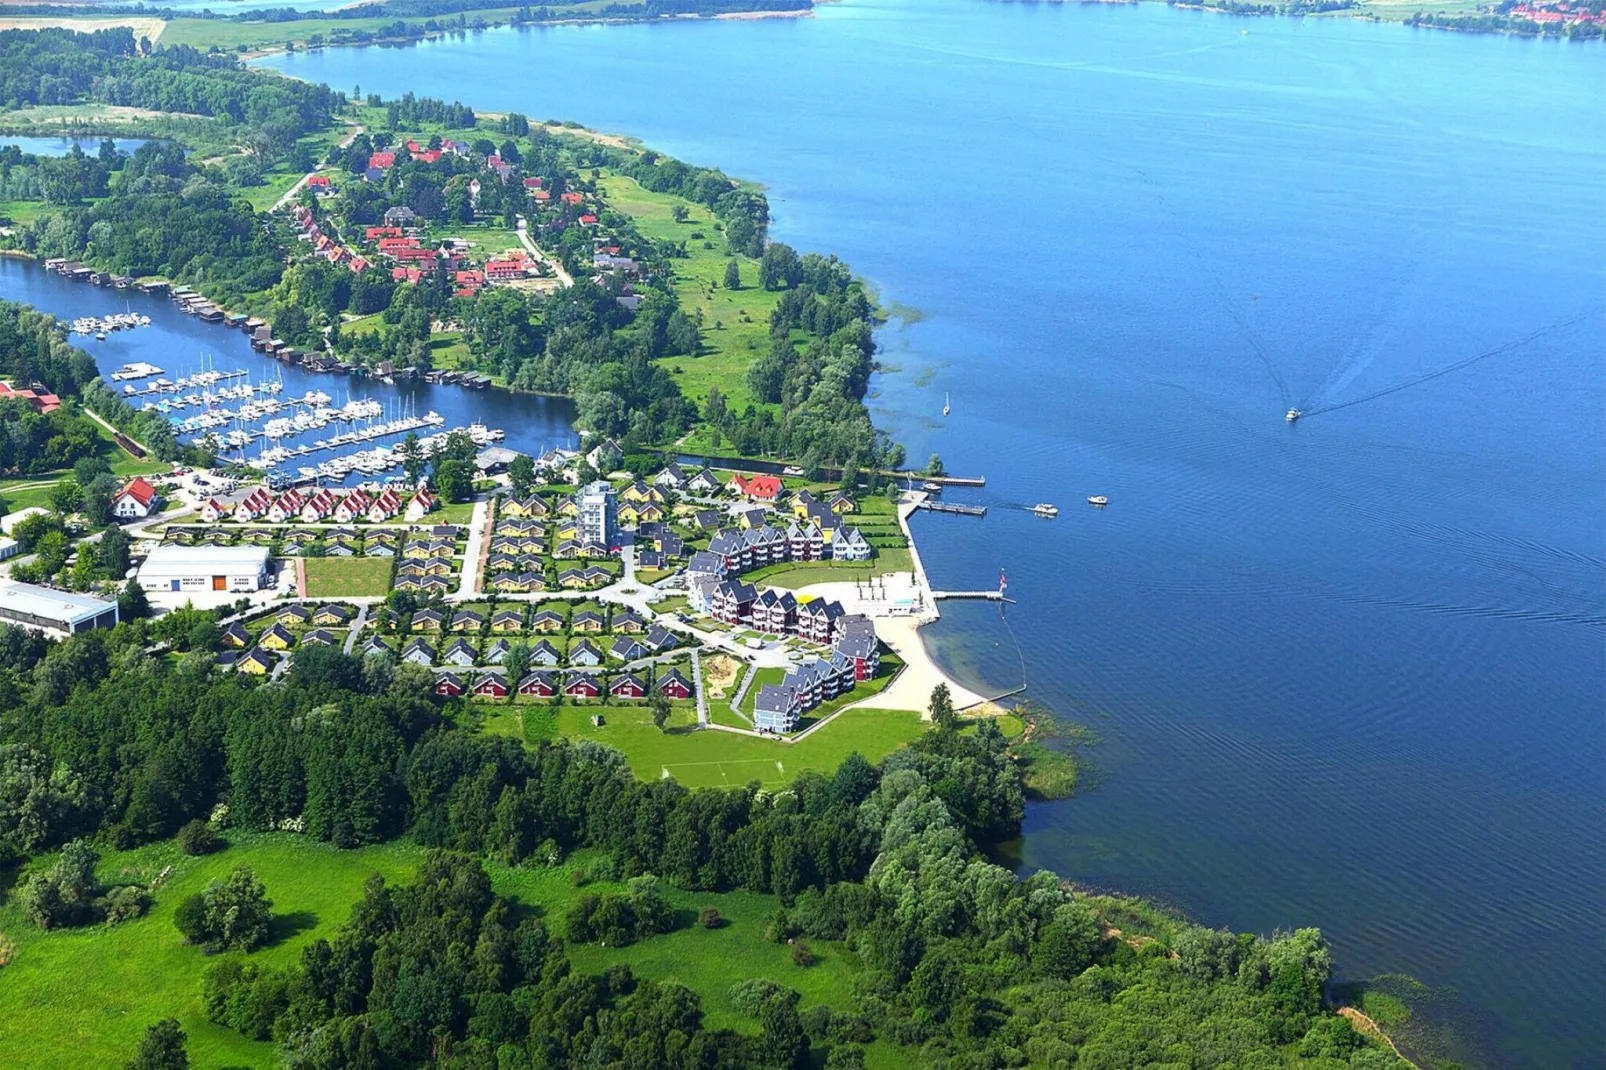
(854, 657)
(539, 683)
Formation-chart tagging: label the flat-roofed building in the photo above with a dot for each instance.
(205, 568)
(60, 611)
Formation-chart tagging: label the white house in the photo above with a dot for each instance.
(136, 501)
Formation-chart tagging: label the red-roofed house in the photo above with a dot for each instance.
(504, 269)
(358, 265)
(759, 488)
(588, 220)
(39, 401)
(318, 182)
(572, 198)
(136, 501)
(382, 160)
(375, 233)
(405, 274)
(532, 183)
(541, 196)
(428, 156)
(391, 246)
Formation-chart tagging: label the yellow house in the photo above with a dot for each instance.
(641, 492)
(276, 638)
(840, 503)
(569, 508)
(507, 621)
(254, 662)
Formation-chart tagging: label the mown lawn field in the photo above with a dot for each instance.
(794, 576)
(347, 577)
(736, 323)
(712, 759)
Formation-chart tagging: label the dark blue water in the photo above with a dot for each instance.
(61, 146)
(1349, 671)
(181, 345)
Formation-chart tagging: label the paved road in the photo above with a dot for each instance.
(356, 626)
(474, 556)
(290, 194)
(697, 688)
(535, 251)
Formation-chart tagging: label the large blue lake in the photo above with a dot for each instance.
(1348, 671)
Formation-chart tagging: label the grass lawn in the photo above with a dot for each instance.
(90, 993)
(793, 576)
(336, 577)
(711, 758)
(735, 322)
(22, 211)
(769, 675)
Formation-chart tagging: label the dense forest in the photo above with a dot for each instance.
(961, 959)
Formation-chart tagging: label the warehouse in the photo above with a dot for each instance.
(205, 568)
(60, 611)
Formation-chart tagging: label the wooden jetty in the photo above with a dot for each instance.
(951, 507)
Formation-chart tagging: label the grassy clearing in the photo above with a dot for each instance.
(711, 758)
(90, 993)
(735, 322)
(22, 211)
(341, 577)
(794, 576)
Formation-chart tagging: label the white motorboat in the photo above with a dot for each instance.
(1098, 499)
(1045, 509)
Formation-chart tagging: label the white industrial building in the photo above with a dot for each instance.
(58, 611)
(205, 568)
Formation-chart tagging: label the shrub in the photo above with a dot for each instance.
(750, 997)
(231, 915)
(197, 838)
(709, 918)
(801, 954)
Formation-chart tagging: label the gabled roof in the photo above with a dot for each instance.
(139, 490)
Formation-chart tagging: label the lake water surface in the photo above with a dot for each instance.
(1348, 671)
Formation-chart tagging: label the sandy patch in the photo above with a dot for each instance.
(745, 16)
(719, 675)
(615, 141)
(142, 27)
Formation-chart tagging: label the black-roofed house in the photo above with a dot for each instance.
(660, 639)
(459, 652)
(628, 648)
(863, 652)
(544, 653)
(628, 621)
(585, 652)
(318, 637)
(733, 601)
(627, 685)
(582, 685)
(491, 684)
(419, 652)
(538, 685)
(777, 708)
(673, 684)
(448, 684)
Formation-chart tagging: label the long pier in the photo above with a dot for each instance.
(978, 596)
(950, 507)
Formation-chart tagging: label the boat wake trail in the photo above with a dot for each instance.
(1228, 305)
(1518, 343)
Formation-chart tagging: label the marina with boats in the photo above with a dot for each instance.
(278, 417)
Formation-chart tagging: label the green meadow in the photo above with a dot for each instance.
(735, 322)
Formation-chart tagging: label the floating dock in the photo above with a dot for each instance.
(950, 507)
